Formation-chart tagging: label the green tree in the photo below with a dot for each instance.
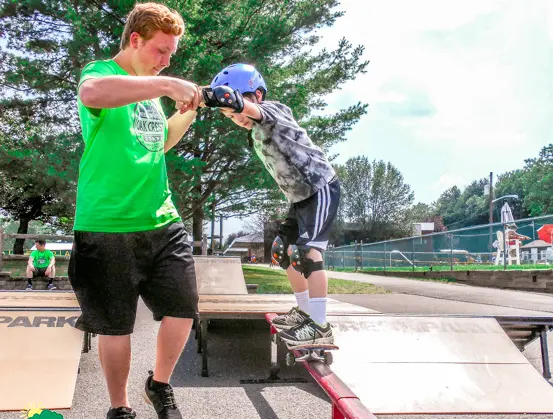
(538, 183)
(376, 198)
(511, 183)
(38, 172)
(420, 213)
(49, 41)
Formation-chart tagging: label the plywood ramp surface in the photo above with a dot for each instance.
(416, 365)
(217, 275)
(39, 358)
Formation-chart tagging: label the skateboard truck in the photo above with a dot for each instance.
(309, 353)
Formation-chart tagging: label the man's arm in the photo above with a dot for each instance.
(179, 124)
(115, 91)
(30, 262)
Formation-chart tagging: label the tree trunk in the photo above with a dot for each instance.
(23, 229)
(197, 228)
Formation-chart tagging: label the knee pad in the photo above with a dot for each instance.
(279, 252)
(302, 264)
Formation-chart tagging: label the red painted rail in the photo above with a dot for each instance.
(345, 404)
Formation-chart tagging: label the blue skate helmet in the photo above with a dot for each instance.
(242, 77)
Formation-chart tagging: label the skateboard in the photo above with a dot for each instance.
(310, 352)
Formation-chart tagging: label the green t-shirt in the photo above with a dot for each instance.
(42, 259)
(123, 185)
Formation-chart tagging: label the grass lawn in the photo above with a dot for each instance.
(274, 281)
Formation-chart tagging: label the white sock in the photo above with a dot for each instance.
(303, 300)
(317, 310)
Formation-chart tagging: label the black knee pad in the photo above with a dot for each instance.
(279, 252)
(304, 265)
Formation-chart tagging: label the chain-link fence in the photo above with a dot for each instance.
(478, 247)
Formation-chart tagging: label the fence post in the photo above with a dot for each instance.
(1, 249)
(413, 253)
(361, 254)
(384, 256)
(450, 251)
(343, 258)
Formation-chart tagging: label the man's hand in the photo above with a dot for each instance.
(185, 94)
(32, 268)
(48, 271)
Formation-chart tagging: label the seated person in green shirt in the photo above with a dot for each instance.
(41, 263)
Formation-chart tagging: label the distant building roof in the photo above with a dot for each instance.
(536, 243)
(235, 250)
(250, 238)
(423, 227)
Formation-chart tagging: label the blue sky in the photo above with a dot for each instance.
(455, 89)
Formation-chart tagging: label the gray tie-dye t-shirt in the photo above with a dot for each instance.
(299, 167)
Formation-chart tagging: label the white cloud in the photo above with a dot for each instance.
(447, 181)
(481, 69)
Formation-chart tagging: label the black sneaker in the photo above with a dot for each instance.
(121, 413)
(162, 399)
(291, 319)
(308, 332)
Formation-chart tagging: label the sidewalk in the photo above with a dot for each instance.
(456, 292)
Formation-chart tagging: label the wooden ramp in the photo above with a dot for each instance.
(255, 306)
(425, 365)
(40, 349)
(219, 275)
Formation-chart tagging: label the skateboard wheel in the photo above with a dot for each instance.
(290, 359)
(274, 370)
(328, 358)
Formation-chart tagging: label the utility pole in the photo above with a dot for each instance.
(221, 232)
(491, 212)
(212, 227)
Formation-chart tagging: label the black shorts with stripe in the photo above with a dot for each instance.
(309, 222)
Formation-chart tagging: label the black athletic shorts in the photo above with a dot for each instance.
(309, 222)
(109, 271)
(39, 272)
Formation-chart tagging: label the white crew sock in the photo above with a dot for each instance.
(303, 300)
(317, 310)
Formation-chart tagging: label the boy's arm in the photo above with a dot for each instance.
(179, 124)
(115, 91)
(252, 110)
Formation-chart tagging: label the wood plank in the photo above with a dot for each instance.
(38, 299)
(260, 304)
(39, 359)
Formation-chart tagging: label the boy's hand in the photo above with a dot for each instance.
(238, 119)
(223, 97)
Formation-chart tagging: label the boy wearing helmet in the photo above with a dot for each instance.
(308, 181)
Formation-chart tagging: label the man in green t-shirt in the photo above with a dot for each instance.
(130, 241)
(41, 263)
